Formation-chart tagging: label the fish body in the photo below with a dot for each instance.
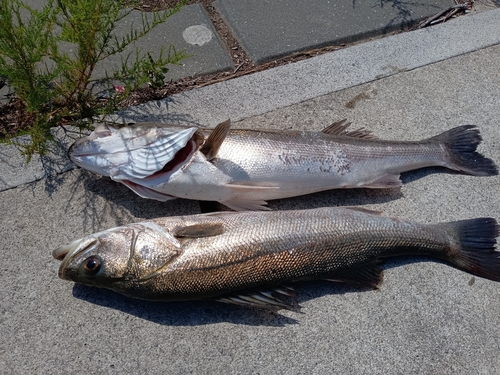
(244, 168)
(232, 256)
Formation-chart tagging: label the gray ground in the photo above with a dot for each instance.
(426, 317)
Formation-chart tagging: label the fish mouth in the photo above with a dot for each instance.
(66, 253)
(73, 150)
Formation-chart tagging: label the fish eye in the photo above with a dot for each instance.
(92, 265)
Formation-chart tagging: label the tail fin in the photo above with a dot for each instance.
(462, 143)
(476, 251)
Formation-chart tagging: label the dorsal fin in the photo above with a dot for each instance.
(339, 128)
(211, 146)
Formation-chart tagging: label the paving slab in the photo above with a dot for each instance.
(190, 31)
(15, 170)
(272, 29)
(426, 317)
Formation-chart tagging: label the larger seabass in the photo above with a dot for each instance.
(237, 257)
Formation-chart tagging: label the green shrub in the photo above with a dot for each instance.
(54, 85)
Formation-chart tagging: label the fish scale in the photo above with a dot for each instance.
(245, 168)
(228, 255)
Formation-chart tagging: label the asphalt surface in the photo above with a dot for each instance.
(426, 317)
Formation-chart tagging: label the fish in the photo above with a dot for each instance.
(251, 258)
(243, 169)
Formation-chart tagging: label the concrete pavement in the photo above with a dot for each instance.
(426, 317)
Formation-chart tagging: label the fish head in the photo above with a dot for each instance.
(119, 258)
(133, 152)
(94, 152)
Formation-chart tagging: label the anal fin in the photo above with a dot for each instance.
(367, 276)
(384, 182)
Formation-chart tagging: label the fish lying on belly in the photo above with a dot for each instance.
(244, 168)
(238, 257)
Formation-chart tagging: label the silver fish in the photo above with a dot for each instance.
(239, 257)
(244, 168)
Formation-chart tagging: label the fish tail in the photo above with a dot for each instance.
(461, 143)
(475, 250)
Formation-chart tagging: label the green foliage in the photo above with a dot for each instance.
(55, 83)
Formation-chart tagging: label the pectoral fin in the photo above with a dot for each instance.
(103, 130)
(241, 190)
(211, 146)
(199, 230)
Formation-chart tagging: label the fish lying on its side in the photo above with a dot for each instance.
(236, 257)
(244, 168)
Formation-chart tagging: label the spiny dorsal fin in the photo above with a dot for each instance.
(339, 128)
(214, 141)
(199, 230)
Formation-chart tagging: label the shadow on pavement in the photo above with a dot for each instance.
(412, 176)
(192, 313)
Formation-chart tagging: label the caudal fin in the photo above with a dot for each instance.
(476, 252)
(462, 143)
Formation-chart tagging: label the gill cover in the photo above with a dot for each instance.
(129, 153)
(134, 253)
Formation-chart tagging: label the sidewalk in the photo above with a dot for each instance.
(264, 91)
(426, 318)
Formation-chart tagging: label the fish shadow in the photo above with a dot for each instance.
(118, 195)
(185, 313)
(357, 196)
(204, 312)
(415, 175)
(337, 198)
